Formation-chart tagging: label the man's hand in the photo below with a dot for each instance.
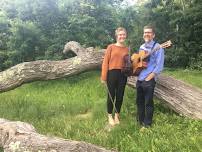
(150, 76)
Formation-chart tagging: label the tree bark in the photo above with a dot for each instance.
(22, 137)
(86, 59)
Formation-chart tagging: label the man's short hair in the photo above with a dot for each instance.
(150, 27)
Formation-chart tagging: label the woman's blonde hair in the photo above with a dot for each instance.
(120, 29)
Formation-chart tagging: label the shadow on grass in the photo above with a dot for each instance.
(162, 107)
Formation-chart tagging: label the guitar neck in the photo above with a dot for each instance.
(151, 52)
(163, 45)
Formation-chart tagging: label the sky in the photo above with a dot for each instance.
(130, 2)
(133, 2)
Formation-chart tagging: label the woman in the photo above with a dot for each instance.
(112, 75)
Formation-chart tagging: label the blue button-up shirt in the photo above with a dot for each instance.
(155, 63)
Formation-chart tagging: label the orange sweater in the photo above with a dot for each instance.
(113, 59)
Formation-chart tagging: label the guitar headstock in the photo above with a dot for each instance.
(166, 44)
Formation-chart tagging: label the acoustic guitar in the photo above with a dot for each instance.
(139, 60)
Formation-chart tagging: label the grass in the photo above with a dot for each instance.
(75, 108)
(192, 77)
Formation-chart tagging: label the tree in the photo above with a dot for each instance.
(25, 40)
(4, 36)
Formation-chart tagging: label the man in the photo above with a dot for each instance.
(147, 78)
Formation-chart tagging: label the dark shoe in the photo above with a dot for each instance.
(147, 125)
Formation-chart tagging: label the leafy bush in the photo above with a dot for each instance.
(196, 63)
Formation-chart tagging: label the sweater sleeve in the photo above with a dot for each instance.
(105, 63)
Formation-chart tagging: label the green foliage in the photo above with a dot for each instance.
(38, 29)
(90, 20)
(131, 19)
(75, 108)
(179, 21)
(4, 60)
(4, 30)
(26, 40)
(196, 63)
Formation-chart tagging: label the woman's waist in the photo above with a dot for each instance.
(117, 67)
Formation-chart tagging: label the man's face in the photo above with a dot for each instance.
(148, 35)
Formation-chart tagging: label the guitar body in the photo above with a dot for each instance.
(139, 61)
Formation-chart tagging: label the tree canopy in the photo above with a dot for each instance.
(38, 29)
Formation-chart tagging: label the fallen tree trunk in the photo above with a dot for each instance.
(86, 59)
(179, 96)
(22, 137)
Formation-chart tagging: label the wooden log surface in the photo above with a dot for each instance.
(18, 136)
(86, 59)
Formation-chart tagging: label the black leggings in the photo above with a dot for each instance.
(116, 82)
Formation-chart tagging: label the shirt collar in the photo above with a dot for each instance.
(149, 44)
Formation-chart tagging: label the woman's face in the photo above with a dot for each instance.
(121, 36)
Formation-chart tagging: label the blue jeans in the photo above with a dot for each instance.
(144, 101)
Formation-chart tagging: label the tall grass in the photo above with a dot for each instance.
(75, 108)
(190, 76)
